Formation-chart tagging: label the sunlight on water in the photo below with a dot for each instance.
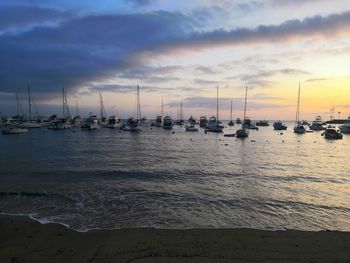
(111, 179)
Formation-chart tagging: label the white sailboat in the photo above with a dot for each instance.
(214, 123)
(243, 132)
(299, 128)
(133, 124)
(64, 122)
(30, 123)
(103, 114)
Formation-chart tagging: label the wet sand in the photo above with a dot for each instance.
(24, 240)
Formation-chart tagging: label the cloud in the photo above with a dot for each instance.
(81, 50)
(316, 80)
(139, 3)
(19, 17)
(200, 102)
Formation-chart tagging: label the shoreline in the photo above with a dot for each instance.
(26, 240)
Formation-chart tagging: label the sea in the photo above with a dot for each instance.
(111, 179)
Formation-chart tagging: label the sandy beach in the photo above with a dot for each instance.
(24, 240)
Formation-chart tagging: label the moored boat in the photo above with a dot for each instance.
(91, 123)
(214, 123)
(167, 123)
(14, 130)
(299, 127)
(317, 124)
(279, 126)
(203, 122)
(190, 127)
(231, 123)
(332, 134)
(243, 132)
(112, 123)
(345, 128)
(262, 123)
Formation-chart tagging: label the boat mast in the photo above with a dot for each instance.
(76, 109)
(17, 104)
(161, 112)
(231, 112)
(65, 104)
(298, 106)
(217, 105)
(102, 108)
(245, 102)
(138, 109)
(181, 115)
(29, 105)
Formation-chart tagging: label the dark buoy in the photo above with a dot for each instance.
(281, 133)
(173, 132)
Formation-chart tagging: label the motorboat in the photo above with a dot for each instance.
(91, 123)
(159, 121)
(192, 120)
(242, 133)
(214, 126)
(279, 126)
(238, 121)
(332, 134)
(190, 127)
(132, 125)
(14, 130)
(112, 123)
(345, 128)
(167, 123)
(262, 123)
(203, 122)
(60, 124)
(247, 123)
(317, 124)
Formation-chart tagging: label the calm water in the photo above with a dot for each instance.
(111, 179)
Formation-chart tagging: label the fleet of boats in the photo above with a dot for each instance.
(19, 124)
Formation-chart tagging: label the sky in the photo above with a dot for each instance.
(178, 51)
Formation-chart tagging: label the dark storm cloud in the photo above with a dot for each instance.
(98, 47)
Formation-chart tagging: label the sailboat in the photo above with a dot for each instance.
(111, 122)
(133, 124)
(76, 119)
(64, 122)
(243, 132)
(299, 128)
(103, 114)
(181, 120)
(231, 123)
(159, 118)
(30, 123)
(213, 123)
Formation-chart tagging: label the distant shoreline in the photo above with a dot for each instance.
(25, 240)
